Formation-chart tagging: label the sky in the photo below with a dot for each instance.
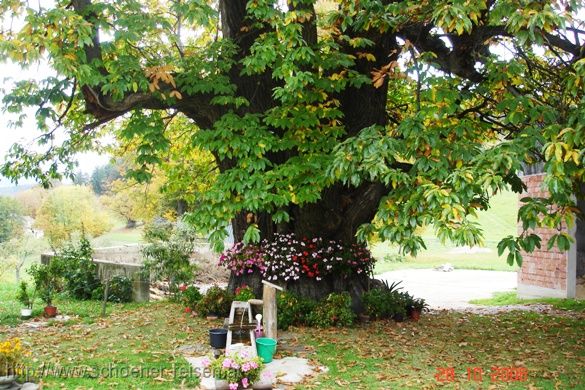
(26, 134)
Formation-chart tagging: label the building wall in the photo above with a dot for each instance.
(543, 272)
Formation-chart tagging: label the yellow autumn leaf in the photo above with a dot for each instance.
(176, 94)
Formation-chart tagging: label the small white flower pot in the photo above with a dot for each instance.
(7, 382)
(25, 313)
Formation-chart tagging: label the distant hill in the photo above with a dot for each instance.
(13, 190)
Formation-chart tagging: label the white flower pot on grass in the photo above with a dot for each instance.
(6, 382)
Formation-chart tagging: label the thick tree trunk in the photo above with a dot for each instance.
(341, 209)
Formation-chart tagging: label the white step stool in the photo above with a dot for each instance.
(239, 347)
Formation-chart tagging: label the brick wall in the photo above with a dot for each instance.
(542, 268)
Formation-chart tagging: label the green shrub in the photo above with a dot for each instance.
(120, 289)
(23, 296)
(167, 257)
(190, 296)
(400, 302)
(377, 304)
(292, 309)
(216, 301)
(244, 294)
(47, 279)
(388, 302)
(79, 270)
(335, 310)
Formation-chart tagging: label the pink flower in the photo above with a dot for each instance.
(235, 366)
(245, 382)
(205, 362)
(233, 386)
(227, 363)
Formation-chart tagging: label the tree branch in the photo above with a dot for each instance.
(564, 44)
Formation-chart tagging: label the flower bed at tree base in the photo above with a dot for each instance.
(318, 290)
(311, 267)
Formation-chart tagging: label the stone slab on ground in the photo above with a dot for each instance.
(291, 370)
(276, 374)
(38, 323)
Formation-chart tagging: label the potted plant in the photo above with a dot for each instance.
(416, 307)
(190, 296)
(399, 313)
(47, 278)
(10, 359)
(215, 303)
(237, 369)
(399, 302)
(26, 300)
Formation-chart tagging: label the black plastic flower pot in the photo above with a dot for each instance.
(218, 338)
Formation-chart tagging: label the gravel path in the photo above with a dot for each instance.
(453, 290)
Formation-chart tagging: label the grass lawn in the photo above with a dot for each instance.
(119, 235)
(383, 355)
(131, 335)
(408, 356)
(511, 298)
(497, 222)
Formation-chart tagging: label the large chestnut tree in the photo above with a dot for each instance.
(341, 119)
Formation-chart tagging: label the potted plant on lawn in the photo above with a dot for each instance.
(215, 303)
(399, 313)
(416, 307)
(47, 278)
(190, 296)
(26, 300)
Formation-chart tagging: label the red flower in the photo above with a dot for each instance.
(182, 287)
(188, 310)
(306, 253)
